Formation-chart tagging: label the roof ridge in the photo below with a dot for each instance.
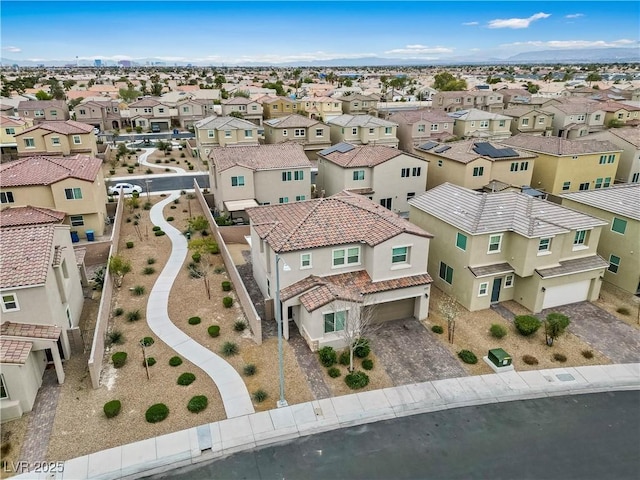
(483, 202)
(304, 219)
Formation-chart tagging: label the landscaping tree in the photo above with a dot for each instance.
(118, 268)
(449, 310)
(554, 325)
(446, 82)
(357, 316)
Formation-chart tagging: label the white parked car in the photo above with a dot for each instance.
(127, 189)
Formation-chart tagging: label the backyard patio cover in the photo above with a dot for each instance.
(239, 205)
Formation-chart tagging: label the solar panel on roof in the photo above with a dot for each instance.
(487, 150)
(428, 145)
(340, 147)
(444, 148)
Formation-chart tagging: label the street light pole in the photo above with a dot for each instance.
(282, 402)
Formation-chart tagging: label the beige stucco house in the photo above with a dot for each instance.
(217, 131)
(320, 108)
(415, 127)
(343, 254)
(313, 135)
(57, 138)
(103, 113)
(476, 123)
(363, 130)
(619, 207)
(494, 247)
(9, 127)
(358, 103)
(44, 110)
(274, 107)
(628, 140)
(617, 114)
(576, 117)
(150, 113)
(248, 108)
(481, 100)
(527, 119)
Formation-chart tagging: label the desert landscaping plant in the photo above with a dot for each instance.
(356, 380)
(240, 326)
(467, 356)
(260, 396)
(554, 325)
(151, 260)
(134, 315)
(214, 330)
(367, 364)
(437, 329)
(588, 354)
(527, 324)
(150, 361)
(197, 404)
(334, 372)
(227, 302)
(156, 413)
(175, 361)
(497, 330)
(194, 320)
(129, 244)
(119, 359)
(138, 290)
(148, 271)
(328, 356)
(147, 341)
(530, 360)
(559, 357)
(229, 349)
(226, 286)
(112, 409)
(115, 337)
(344, 358)
(118, 311)
(118, 268)
(250, 369)
(186, 378)
(623, 311)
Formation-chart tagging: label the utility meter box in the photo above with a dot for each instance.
(499, 357)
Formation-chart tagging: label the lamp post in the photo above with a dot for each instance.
(282, 402)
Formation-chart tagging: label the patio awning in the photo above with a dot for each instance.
(239, 205)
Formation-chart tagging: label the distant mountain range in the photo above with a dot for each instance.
(598, 55)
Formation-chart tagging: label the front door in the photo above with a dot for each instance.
(495, 291)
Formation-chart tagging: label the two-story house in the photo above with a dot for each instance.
(515, 97)
(362, 130)
(9, 127)
(415, 127)
(383, 174)
(359, 104)
(320, 108)
(335, 255)
(494, 247)
(248, 108)
(217, 131)
(628, 140)
(102, 113)
(618, 244)
(313, 135)
(481, 100)
(73, 185)
(57, 138)
(565, 166)
(189, 110)
(274, 107)
(617, 114)
(576, 117)
(242, 177)
(44, 110)
(529, 119)
(476, 123)
(150, 113)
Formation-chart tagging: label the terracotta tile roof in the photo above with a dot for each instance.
(30, 330)
(237, 101)
(366, 121)
(361, 155)
(145, 102)
(623, 199)
(337, 220)
(490, 270)
(68, 127)
(7, 121)
(25, 255)
(576, 106)
(42, 170)
(14, 351)
(225, 123)
(260, 157)
(559, 146)
(415, 116)
(28, 215)
(576, 265)
(611, 106)
(292, 121)
(268, 99)
(42, 104)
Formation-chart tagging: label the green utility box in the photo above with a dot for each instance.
(499, 357)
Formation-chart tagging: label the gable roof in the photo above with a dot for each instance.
(68, 127)
(628, 134)
(621, 199)
(291, 121)
(414, 116)
(42, 104)
(215, 122)
(238, 101)
(260, 157)
(337, 220)
(475, 114)
(9, 121)
(42, 170)
(482, 213)
(28, 215)
(560, 146)
(347, 120)
(347, 155)
(145, 102)
(466, 151)
(25, 255)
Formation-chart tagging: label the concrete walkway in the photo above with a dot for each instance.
(142, 160)
(214, 440)
(233, 391)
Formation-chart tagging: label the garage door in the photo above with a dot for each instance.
(565, 294)
(393, 310)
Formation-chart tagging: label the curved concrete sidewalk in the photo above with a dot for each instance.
(234, 393)
(142, 160)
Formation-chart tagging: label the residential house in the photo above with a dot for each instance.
(383, 174)
(73, 185)
(475, 164)
(576, 117)
(336, 257)
(9, 127)
(250, 110)
(529, 119)
(362, 130)
(357, 104)
(313, 135)
(242, 177)
(495, 247)
(320, 108)
(476, 123)
(150, 113)
(57, 138)
(565, 166)
(618, 244)
(618, 114)
(217, 131)
(44, 110)
(415, 127)
(481, 100)
(628, 140)
(515, 97)
(274, 107)
(189, 111)
(102, 113)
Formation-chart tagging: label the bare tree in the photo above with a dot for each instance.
(357, 317)
(449, 309)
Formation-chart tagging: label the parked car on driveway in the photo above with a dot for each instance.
(127, 189)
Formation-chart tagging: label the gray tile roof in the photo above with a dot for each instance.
(576, 265)
(415, 116)
(260, 157)
(623, 200)
(489, 270)
(475, 114)
(481, 213)
(292, 121)
(629, 134)
(224, 123)
(360, 121)
(560, 146)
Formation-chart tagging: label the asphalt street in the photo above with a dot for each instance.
(163, 183)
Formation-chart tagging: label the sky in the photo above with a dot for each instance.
(218, 32)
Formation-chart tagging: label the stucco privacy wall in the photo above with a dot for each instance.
(255, 322)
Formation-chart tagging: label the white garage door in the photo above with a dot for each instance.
(394, 310)
(565, 294)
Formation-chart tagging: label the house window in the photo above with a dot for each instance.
(275, 107)
(421, 128)
(611, 159)
(372, 131)
(483, 289)
(286, 176)
(3, 388)
(39, 113)
(358, 175)
(416, 171)
(10, 131)
(298, 132)
(524, 166)
(635, 177)
(446, 273)
(544, 245)
(298, 175)
(508, 281)
(77, 140)
(439, 163)
(400, 255)
(268, 288)
(484, 124)
(584, 186)
(541, 120)
(285, 132)
(405, 172)
(603, 159)
(6, 197)
(305, 260)
(607, 182)
(82, 111)
(461, 241)
(514, 166)
(283, 200)
(478, 171)
(55, 140)
(614, 263)
(580, 238)
(495, 243)
(227, 134)
(525, 122)
(319, 132)
(248, 134)
(599, 182)
(211, 133)
(410, 195)
(73, 193)
(237, 181)
(386, 203)
(76, 220)
(388, 130)
(354, 131)
(299, 198)
(29, 143)
(581, 118)
(185, 109)
(346, 256)
(501, 123)
(566, 185)
(334, 321)
(619, 225)
(10, 302)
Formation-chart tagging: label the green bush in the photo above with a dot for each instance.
(118, 311)
(148, 271)
(138, 290)
(197, 404)
(229, 349)
(363, 349)
(147, 205)
(157, 413)
(115, 337)
(344, 358)
(175, 361)
(227, 302)
(186, 378)
(226, 286)
(196, 257)
(530, 360)
(170, 219)
(559, 357)
(150, 361)
(134, 315)
(334, 372)
(147, 341)
(159, 233)
(119, 359)
(156, 228)
(356, 380)
(437, 329)
(527, 324)
(239, 326)
(367, 364)
(112, 408)
(260, 396)
(194, 320)
(151, 260)
(250, 369)
(129, 244)
(497, 330)
(468, 356)
(214, 330)
(328, 356)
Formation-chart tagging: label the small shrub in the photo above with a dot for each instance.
(328, 356)
(186, 378)
(250, 369)
(356, 380)
(182, 155)
(344, 358)
(128, 220)
(159, 233)
(227, 302)
(363, 349)
(219, 269)
(134, 316)
(196, 257)
(118, 311)
(623, 311)
(148, 271)
(239, 326)
(129, 244)
(197, 404)
(497, 330)
(334, 372)
(229, 349)
(559, 357)
(147, 341)
(167, 169)
(260, 395)
(147, 205)
(119, 359)
(214, 330)
(148, 170)
(112, 409)
(530, 360)
(136, 222)
(367, 364)
(158, 160)
(527, 324)
(115, 337)
(194, 320)
(150, 361)
(172, 207)
(151, 260)
(175, 361)
(588, 354)
(226, 286)
(176, 201)
(468, 356)
(213, 248)
(170, 219)
(156, 228)
(138, 290)
(437, 329)
(156, 413)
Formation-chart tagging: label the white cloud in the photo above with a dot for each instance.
(470, 23)
(517, 22)
(574, 15)
(574, 44)
(419, 50)
(12, 49)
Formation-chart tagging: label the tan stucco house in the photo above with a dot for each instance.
(102, 113)
(320, 108)
(57, 138)
(363, 130)
(313, 135)
(576, 117)
(44, 110)
(465, 100)
(9, 127)
(415, 127)
(628, 140)
(250, 109)
(474, 123)
(274, 107)
(358, 103)
(527, 119)
(217, 131)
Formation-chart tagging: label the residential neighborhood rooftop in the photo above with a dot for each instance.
(475, 114)
(560, 146)
(291, 121)
(347, 155)
(360, 121)
(25, 255)
(28, 215)
(42, 170)
(260, 157)
(621, 199)
(215, 122)
(465, 151)
(68, 127)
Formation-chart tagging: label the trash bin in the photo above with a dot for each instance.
(90, 236)
(499, 357)
(74, 237)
